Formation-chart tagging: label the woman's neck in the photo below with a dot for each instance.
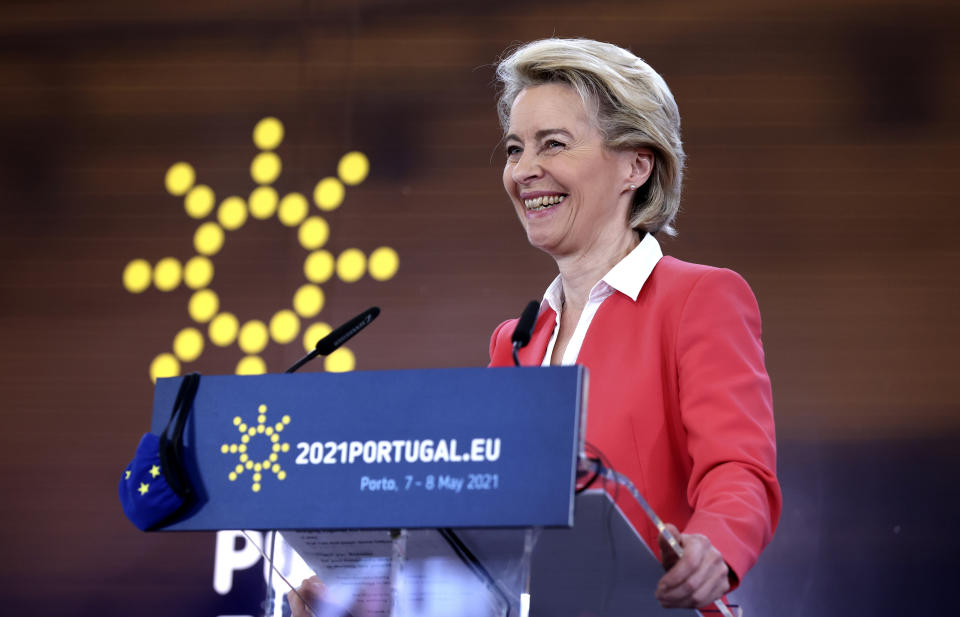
(580, 272)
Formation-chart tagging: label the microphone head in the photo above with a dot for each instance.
(524, 329)
(328, 344)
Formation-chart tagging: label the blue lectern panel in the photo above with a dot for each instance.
(434, 448)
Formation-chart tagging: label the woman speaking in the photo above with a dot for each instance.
(679, 398)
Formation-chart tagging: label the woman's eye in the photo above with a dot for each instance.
(513, 150)
(553, 143)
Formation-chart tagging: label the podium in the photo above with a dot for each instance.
(437, 493)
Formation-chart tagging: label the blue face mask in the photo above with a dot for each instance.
(154, 488)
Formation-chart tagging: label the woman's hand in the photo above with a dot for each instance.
(311, 591)
(698, 578)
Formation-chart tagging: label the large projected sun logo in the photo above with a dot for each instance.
(223, 329)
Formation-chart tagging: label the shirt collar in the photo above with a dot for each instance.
(627, 276)
(553, 296)
(631, 272)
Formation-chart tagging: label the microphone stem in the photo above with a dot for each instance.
(310, 356)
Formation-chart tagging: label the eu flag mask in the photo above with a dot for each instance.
(154, 488)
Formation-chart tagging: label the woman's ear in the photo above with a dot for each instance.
(641, 166)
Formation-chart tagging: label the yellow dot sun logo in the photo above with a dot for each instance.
(259, 448)
(196, 273)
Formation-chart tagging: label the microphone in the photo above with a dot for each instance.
(331, 342)
(524, 330)
(328, 344)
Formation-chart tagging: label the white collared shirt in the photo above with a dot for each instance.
(626, 277)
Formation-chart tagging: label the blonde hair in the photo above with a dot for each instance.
(633, 107)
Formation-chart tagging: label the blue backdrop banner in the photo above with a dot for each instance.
(469, 447)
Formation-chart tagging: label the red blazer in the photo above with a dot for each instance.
(680, 402)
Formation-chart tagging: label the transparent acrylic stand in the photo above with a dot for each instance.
(601, 567)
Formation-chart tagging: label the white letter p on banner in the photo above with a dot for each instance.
(228, 559)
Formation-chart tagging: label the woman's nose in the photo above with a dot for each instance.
(527, 169)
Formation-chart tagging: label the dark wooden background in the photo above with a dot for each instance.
(823, 144)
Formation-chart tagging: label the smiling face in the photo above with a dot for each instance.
(571, 192)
